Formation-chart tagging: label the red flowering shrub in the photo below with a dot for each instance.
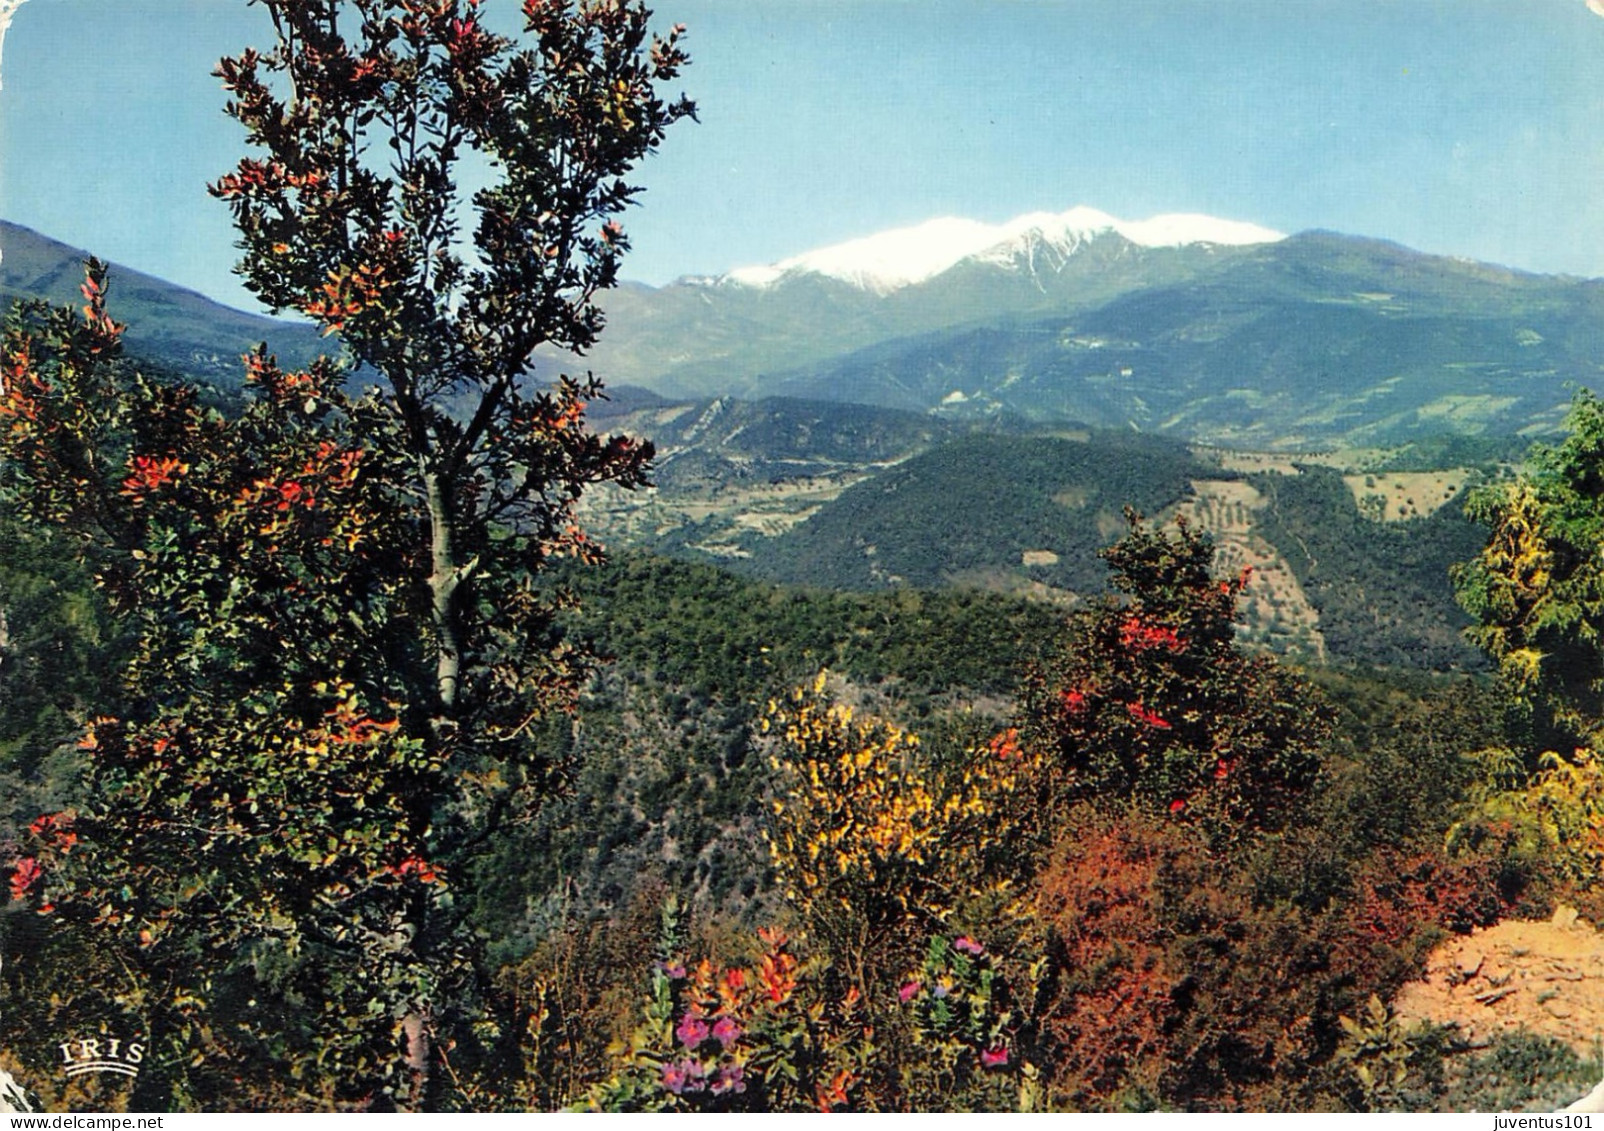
(1152, 700)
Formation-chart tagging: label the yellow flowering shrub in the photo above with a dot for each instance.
(872, 843)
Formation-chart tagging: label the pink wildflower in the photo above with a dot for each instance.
(684, 1076)
(730, 1078)
(692, 1031)
(726, 1031)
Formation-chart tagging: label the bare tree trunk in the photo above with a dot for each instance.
(418, 1057)
(445, 582)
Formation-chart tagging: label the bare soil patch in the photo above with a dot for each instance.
(1543, 977)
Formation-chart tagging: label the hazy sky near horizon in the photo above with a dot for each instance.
(1466, 127)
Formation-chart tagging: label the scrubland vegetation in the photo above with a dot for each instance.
(344, 771)
(1003, 855)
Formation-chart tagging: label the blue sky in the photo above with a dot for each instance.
(1468, 127)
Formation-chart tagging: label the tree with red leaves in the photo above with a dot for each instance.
(355, 214)
(343, 639)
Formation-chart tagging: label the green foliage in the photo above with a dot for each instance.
(666, 785)
(578, 996)
(1397, 765)
(714, 633)
(56, 641)
(1536, 589)
(976, 1041)
(1556, 812)
(1395, 1067)
(665, 790)
(1486, 452)
(1521, 1072)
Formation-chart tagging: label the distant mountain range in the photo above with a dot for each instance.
(1204, 329)
(1189, 326)
(1039, 244)
(166, 323)
(739, 332)
(1350, 551)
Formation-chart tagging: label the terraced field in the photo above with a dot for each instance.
(1275, 612)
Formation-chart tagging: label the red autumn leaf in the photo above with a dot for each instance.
(25, 877)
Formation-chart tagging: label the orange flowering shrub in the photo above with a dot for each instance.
(1102, 895)
(1402, 897)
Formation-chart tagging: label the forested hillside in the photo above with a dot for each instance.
(979, 509)
(171, 325)
(1382, 589)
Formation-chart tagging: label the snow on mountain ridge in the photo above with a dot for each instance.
(901, 257)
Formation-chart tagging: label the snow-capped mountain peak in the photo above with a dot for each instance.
(901, 257)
